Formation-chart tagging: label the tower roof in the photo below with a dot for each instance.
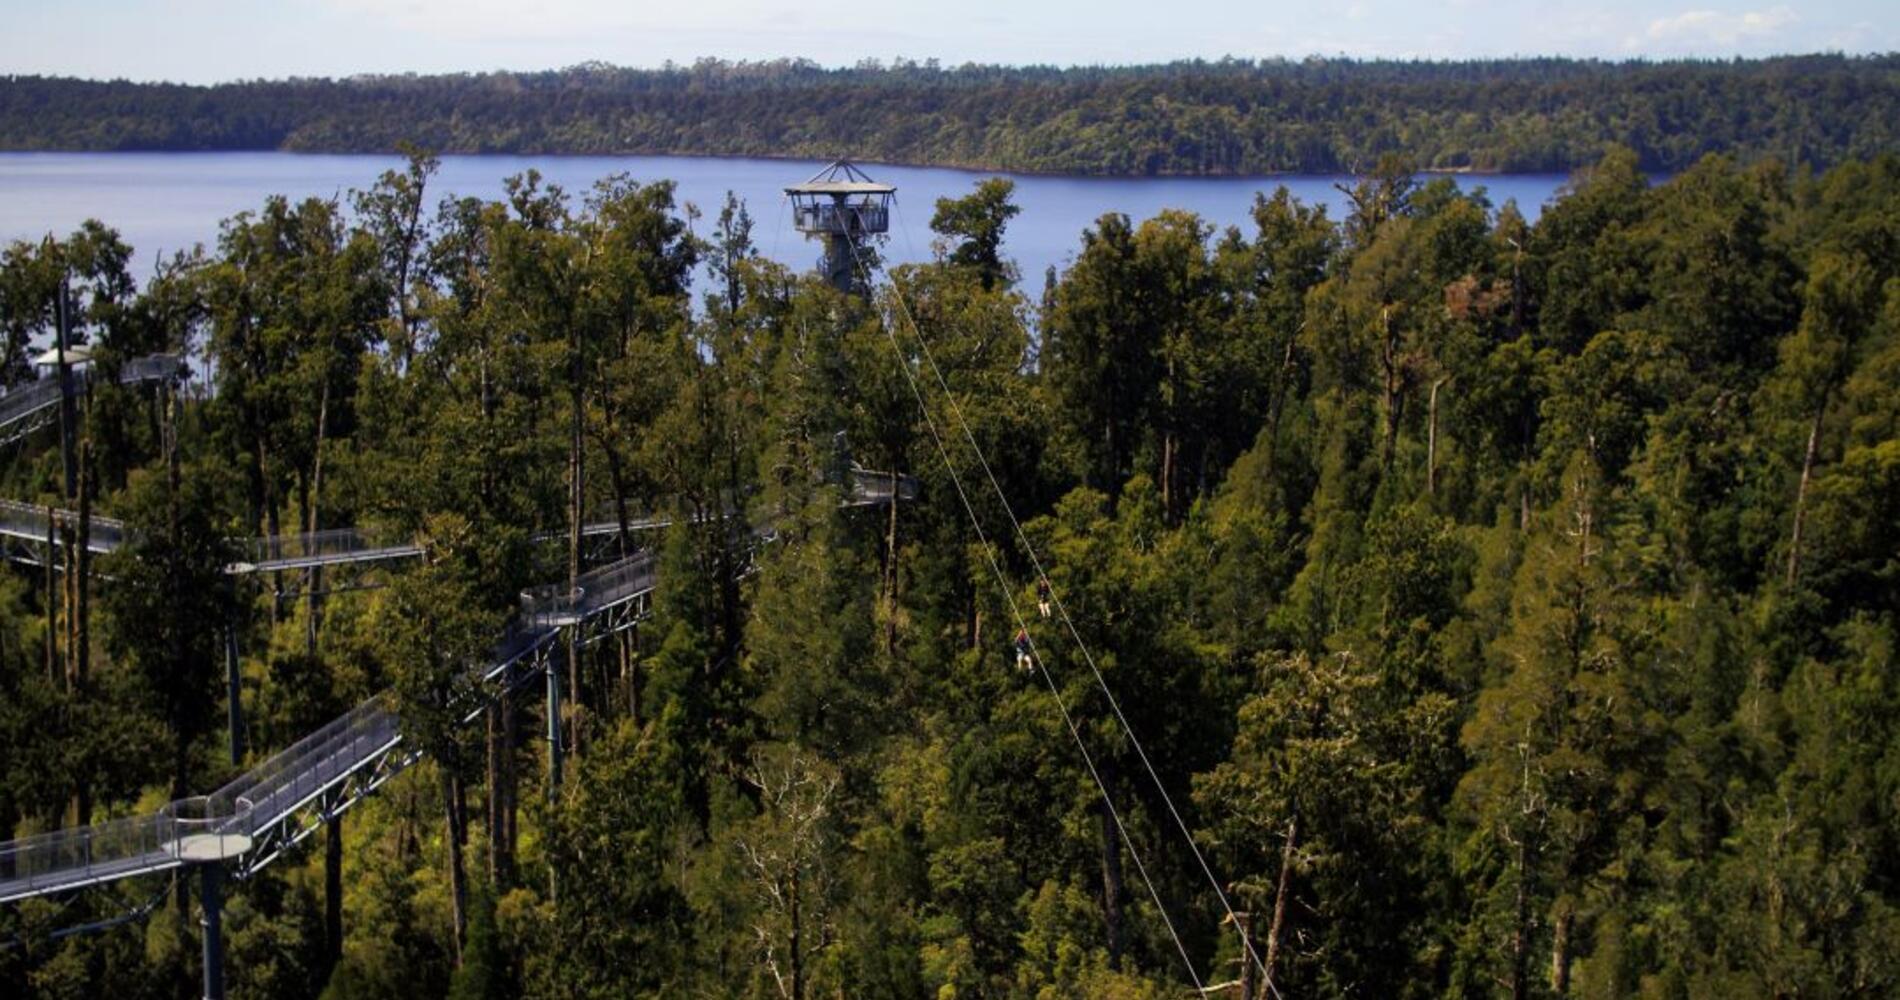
(842, 177)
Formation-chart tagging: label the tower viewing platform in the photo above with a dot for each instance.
(841, 205)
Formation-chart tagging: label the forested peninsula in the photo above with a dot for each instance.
(1184, 118)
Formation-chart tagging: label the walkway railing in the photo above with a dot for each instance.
(296, 774)
(871, 486)
(28, 521)
(187, 830)
(318, 548)
(24, 400)
(557, 605)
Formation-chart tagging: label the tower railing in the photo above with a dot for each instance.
(188, 829)
(830, 217)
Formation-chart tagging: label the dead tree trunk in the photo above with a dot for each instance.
(1249, 977)
(458, 878)
(1431, 441)
(313, 578)
(1111, 882)
(1277, 928)
(1560, 953)
(333, 889)
(1801, 492)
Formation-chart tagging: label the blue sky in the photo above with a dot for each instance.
(201, 41)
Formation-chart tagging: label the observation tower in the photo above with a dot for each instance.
(841, 205)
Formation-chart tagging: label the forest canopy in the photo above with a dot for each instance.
(1227, 117)
(1503, 609)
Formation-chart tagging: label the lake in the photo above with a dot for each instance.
(162, 202)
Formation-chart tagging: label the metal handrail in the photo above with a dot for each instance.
(557, 605)
(25, 520)
(326, 544)
(185, 830)
(834, 218)
(25, 400)
(869, 485)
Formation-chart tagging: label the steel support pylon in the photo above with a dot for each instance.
(211, 893)
(554, 730)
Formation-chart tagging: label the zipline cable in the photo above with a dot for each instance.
(1009, 595)
(1042, 575)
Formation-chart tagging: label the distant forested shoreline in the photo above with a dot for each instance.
(1184, 118)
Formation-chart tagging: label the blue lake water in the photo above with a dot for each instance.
(161, 202)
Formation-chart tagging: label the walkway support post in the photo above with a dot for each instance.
(554, 730)
(68, 417)
(211, 890)
(234, 692)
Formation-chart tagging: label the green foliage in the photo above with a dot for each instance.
(619, 832)
(1232, 116)
(977, 221)
(173, 571)
(1503, 608)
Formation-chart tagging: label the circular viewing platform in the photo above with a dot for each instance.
(209, 846)
(841, 200)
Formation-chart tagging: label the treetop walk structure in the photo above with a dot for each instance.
(25, 531)
(841, 205)
(29, 406)
(253, 819)
(26, 528)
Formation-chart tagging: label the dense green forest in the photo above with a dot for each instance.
(1227, 117)
(1505, 609)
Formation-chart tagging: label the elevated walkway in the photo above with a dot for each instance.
(284, 799)
(28, 407)
(28, 527)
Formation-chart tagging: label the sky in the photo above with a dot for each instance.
(209, 41)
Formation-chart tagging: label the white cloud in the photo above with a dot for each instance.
(1706, 29)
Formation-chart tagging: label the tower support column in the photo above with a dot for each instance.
(554, 729)
(234, 692)
(840, 269)
(211, 900)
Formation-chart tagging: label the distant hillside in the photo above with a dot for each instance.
(1181, 118)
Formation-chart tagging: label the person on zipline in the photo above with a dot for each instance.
(1042, 596)
(1025, 659)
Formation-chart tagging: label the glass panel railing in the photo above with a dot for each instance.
(29, 521)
